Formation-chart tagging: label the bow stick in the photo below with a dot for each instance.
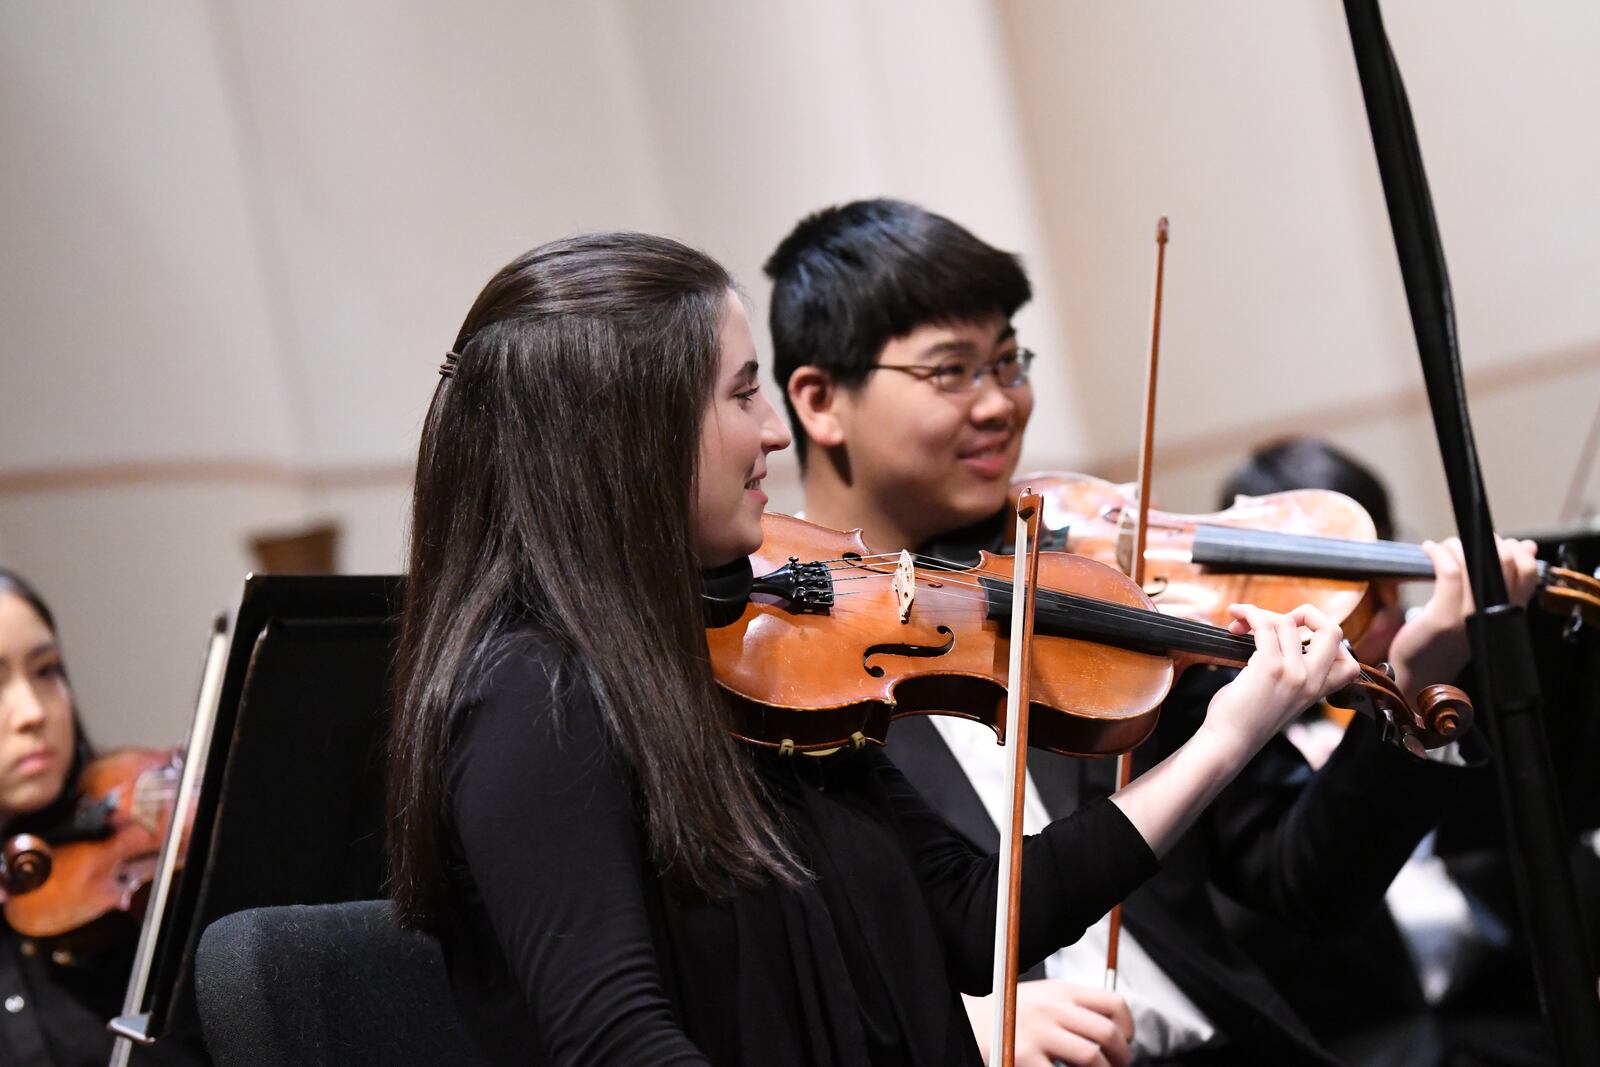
(1508, 701)
(1007, 911)
(1135, 562)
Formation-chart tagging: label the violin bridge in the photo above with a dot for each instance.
(1127, 523)
(905, 584)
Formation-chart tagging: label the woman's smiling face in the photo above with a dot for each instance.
(739, 430)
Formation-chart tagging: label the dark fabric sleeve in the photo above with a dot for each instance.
(549, 827)
(1072, 873)
(1316, 849)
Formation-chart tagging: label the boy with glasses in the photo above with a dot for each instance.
(922, 458)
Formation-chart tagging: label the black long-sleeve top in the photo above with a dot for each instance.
(565, 946)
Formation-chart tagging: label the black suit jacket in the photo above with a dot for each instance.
(1315, 851)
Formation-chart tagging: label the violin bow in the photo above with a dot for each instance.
(1573, 506)
(1141, 526)
(1007, 911)
(1508, 701)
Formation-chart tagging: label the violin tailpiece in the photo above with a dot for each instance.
(805, 586)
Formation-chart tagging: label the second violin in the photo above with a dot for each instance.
(1278, 551)
(98, 868)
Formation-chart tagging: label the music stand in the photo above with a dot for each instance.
(286, 771)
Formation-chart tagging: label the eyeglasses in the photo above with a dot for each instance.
(957, 378)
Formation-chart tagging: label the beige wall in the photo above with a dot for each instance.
(239, 236)
(1243, 121)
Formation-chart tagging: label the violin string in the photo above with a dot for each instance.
(1054, 597)
(1119, 611)
(1084, 605)
(1242, 644)
(1061, 599)
(889, 557)
(1361, 675)
(1324, 548)
(1092, 608)
(1193, 626)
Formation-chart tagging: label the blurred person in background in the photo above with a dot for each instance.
(1440, 975)
(53, 1006)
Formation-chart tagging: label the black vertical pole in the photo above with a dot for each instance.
(1508, 703)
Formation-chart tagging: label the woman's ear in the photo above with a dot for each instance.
(816, 398)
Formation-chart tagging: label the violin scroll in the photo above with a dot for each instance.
(1445, 712)
(24, 865)
(1441, 713)
(1573, 593)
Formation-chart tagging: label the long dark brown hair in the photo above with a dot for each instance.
(555, 490)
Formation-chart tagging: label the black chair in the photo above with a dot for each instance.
(333, 984)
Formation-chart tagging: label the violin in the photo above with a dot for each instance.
(822, 643)
(1304, 546)
(97, 870)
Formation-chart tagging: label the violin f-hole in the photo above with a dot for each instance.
(899, 649)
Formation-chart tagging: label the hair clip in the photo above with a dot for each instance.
(447, 369)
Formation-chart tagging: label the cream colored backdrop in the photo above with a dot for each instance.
(237, 237)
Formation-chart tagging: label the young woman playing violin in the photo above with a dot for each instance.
(614, 878)
(54, 1013)
(909, 394)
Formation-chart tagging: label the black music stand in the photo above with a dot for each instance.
(1567, 657)
(289, 782)
(1567, 653)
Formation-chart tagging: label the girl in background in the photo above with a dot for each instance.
(52, 1014)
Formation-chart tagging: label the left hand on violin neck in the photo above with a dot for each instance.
(1432, 645)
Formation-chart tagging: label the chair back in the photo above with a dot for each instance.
(330, 985)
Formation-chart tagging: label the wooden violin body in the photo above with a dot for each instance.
(127, 798)
(811, 686)
(828, 643)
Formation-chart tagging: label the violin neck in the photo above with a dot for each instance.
(1232, 549)
(1121, 626)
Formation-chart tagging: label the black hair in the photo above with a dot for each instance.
(60, 809)
(1310, 463)
(849, 279)
(13, 583)
(555, 491)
